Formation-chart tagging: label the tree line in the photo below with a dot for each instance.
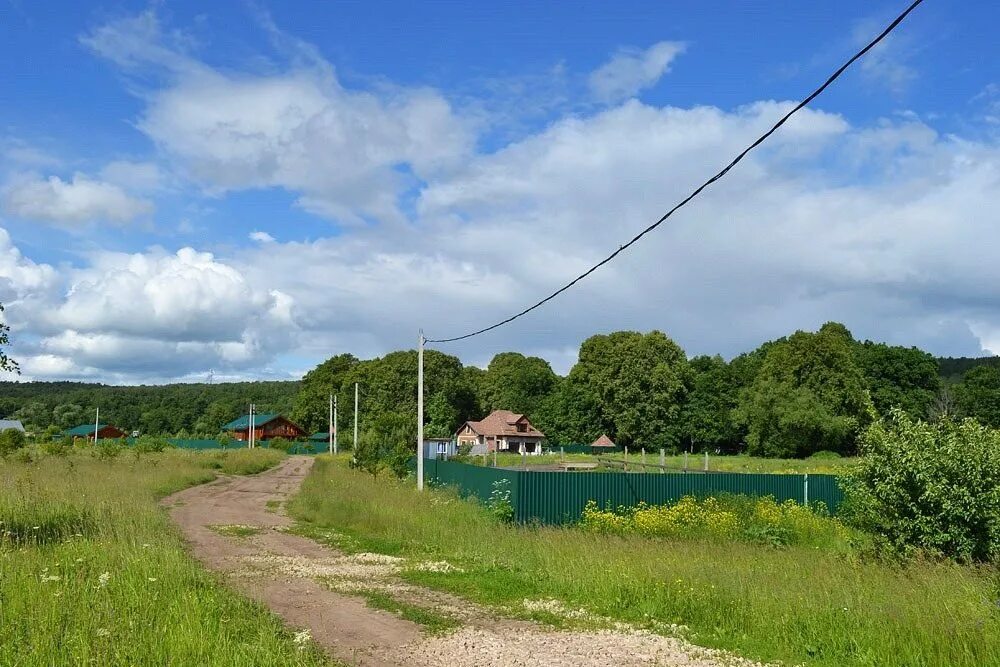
(794, 396)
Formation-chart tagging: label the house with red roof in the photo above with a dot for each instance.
(604, 443)
(501, 431)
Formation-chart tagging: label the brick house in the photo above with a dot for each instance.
(501, 431)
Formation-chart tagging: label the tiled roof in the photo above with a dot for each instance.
(244, 421)
(503, 422)
(603, 441)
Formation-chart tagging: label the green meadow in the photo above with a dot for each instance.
(799, 603)
(92, 572)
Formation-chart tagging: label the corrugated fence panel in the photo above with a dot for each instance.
(554, 497)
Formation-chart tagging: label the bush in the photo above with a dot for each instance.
(57, 446)
(279, 444)
(147, 444)
(11, 440)
(928, 487)
(742, 518)
(107, 449)
(499, 503)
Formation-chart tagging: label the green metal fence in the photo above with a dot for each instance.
(183, 443)
(559, 497)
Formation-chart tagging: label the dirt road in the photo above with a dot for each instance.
(236, 527)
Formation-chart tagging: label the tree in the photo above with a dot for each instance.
(707, 415)
(809, 395)
(899, 377)
(636, 384)
(517, 383)
(569, 415)
(7, 364)
(312, 403)
(931, 487)
(978, 395)
(387, 443)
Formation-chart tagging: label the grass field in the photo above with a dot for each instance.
(796, 604)
(736, 463)
(91, 571)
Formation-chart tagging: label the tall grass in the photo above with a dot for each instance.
(91, 571)
(796, 604)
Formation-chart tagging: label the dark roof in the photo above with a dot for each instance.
(503, 422)
(244, 422)
(320, 436)
(85, 429)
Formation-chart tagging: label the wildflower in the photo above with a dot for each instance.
(103, 580)
(302, 639)
(103, 632)
(152, 578)
(50, 577)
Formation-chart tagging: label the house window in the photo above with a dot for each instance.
(522, 428)
(442, 448)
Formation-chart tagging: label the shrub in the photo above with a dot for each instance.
(499, 503)
(743, 518)
(107, 449)
(57, 446)
(11, 440)
(279, 444)
(928, 487)
(150, 443)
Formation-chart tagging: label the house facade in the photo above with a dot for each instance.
(15, 424)
(104, 432)
(265, 427)
(501, 431)
(439, 448)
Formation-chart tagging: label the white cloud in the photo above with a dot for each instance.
(349, 154)
(261, 237)
(134, 176)
(631, 70)
(79, 200)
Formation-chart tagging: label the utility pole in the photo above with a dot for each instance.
(97, 424)
(250, 429)
(420, 411)
(355, 443)
(330, 424)
(334, 423)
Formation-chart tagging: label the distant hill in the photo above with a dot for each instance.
(953, 368)
(195, 409)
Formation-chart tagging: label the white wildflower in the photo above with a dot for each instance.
(103, 580)
(103, 632)
(302, 639)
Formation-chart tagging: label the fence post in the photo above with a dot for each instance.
(685, 461)
(663, 461)
(494, 458)
(644, 459)
(625, 465)
(562, 453)
(706, 460)
(805, 489)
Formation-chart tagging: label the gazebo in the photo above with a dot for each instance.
(602, 443)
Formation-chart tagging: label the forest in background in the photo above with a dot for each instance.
(807, 392)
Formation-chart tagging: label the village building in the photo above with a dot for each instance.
(104, 432)
(439, 448)
(8, 424)
(501, 431)
(602, 444)
(265, 427)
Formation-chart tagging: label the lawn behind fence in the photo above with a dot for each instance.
(796, 604)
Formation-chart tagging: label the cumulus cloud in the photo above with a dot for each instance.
(349, 154)
(79, 200)
(631, 70)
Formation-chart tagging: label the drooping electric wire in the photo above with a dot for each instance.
(813, 95)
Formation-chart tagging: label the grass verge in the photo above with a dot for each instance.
(104, 578)
(432, 621)
(795, 604)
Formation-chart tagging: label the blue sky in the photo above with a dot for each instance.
(251, 187)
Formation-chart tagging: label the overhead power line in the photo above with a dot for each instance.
(761, 139)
